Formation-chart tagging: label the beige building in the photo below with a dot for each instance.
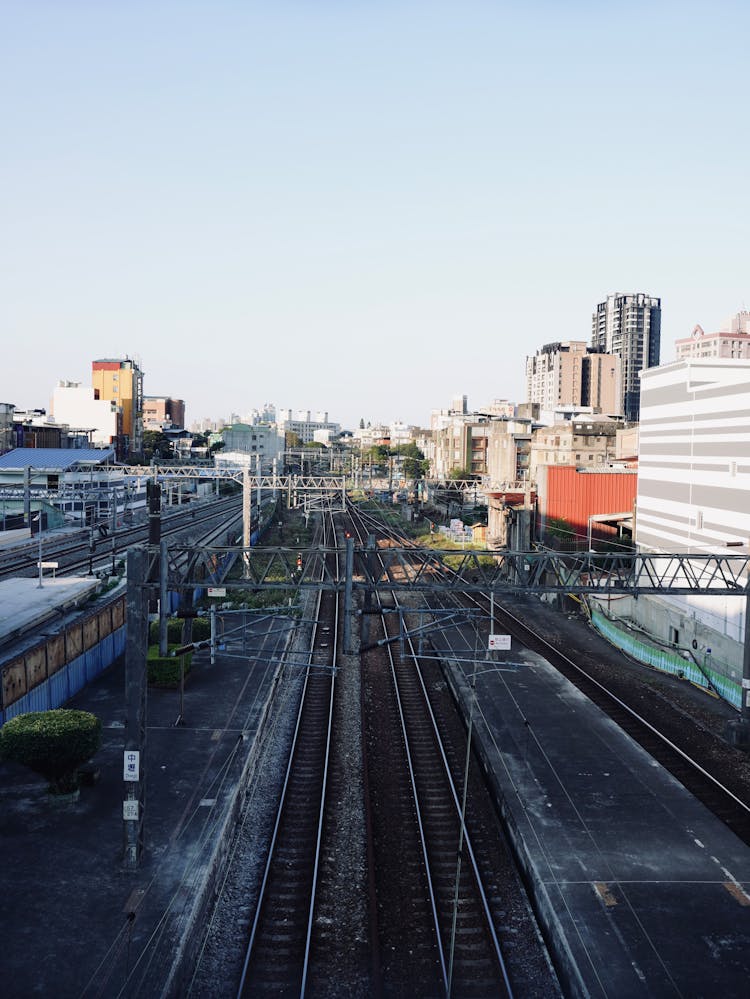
(732, 341)
(590, 443)
(567, 373)
(160, 412)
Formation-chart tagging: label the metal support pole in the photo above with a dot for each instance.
(40, 546)
(135, 703)
(348, 587)
(246, 516)
(259, 470)
(113, 529)
(163, 599)
(213, 634)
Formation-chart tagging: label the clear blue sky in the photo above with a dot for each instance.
(365, 207)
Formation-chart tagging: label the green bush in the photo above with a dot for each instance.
(164, 671)
(52, 743)
(201, 630)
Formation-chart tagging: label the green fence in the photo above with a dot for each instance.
(668, 661)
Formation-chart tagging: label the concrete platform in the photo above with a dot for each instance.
(642, 891)
(24, 605)
(74, 922)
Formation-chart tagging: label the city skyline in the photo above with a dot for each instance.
(362, 210)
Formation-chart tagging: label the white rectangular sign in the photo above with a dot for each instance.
(131, 765)
(130, 809)
(501, 642)
(217, 591)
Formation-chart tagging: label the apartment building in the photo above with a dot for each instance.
(629, 326)
(161, 412)
(732, 340)
(305, 426)
(567, 373)
(120, 380)
(587, 443)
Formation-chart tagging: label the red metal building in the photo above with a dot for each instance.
(575, 497)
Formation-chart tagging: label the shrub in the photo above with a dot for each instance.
(52, 743)
(201, 630)
(164, 671)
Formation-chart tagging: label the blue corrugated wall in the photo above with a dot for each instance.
(66, 682)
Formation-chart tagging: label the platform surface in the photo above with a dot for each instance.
(645, 891)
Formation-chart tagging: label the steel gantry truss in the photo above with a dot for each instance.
(481, 571)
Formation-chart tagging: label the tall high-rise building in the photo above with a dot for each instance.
(629, 325)
(121, 381)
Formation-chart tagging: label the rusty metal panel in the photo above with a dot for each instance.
(14, 681)
(73, 641)
(36, 666)
(118, 614)
(104, 618)
(55, 653)
(90, 632)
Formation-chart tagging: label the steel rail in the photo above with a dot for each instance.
(459, 813)
(244, 983)
(478, 599)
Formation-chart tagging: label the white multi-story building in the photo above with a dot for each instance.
(77, 406)
(694, 496)
(300, 423)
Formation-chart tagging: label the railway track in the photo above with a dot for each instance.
(452, 942)
(277, 958)
(673, 750)
(75, 553)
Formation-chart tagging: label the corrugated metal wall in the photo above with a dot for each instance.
(571, 495)
(65, 683)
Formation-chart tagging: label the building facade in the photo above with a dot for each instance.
(694, 496)
(262, 443)
(302, 424)
(160, 412)
(629, 326)
(120, 380)
(732, 341)
(77, 406)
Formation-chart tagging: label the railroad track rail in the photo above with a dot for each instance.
(457, 942)
(277, 957)
(707, 782)
(74, 552)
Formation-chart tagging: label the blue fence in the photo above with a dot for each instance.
(70, 679)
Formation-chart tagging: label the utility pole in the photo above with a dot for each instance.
(134, 770)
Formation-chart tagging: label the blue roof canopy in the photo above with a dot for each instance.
(54, 458)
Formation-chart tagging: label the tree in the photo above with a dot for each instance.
(457, 474)
(156, 445)
(52, 743)
(292, 439)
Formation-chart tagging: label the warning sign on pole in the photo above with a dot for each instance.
(501, 642)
